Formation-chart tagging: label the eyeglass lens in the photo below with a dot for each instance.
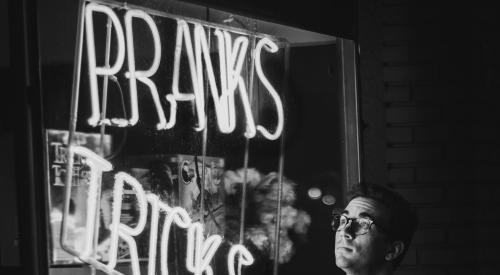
(358, 226)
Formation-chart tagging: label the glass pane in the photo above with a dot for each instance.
(205, 138)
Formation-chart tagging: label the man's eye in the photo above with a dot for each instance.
(364, 222)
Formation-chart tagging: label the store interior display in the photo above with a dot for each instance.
(180, 112)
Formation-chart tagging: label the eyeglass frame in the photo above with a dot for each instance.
(350, 220)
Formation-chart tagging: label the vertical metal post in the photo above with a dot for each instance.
(281, 167)
(247, 146)
(204, 141)
(349, 113)
(102, 133)
(72, 124)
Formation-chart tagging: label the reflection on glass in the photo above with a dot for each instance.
(214, 128)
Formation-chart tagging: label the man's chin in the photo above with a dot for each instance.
(342, 261)
(344, 256)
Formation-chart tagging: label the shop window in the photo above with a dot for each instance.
(176, 133)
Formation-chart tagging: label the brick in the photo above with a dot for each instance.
(422, 53)
(418, 154)
(487, 253)
(486, 215)
(463, 270)
(470, 151)
(423, 14)
(419, 271)
(491, 53)
(487, 152)
(435, 133)
(397, 34)
(401, 175)
(434, 215)
(445, 172)
(453, 70)
(473, 235)
(410, 257)
(426, 93)
(484, 269)
(429, 174)
(421, 195)
(487, 194)
(447, 256)
(410, 73)
(397, 93)
(429, 236)
(5, 61)
(487, 173)
(460, 152)
(485, 111)
(424, 34)
(458, 172)
(393, 14)
(461, 235)
(412, 114)
(393, 2)
(399, 134)
(395, 54)
(459, 194)
(469, 113)
(408, 34)
(480, 133)
(460, 92)
(457, 215)
(481, 269)
(492, 80)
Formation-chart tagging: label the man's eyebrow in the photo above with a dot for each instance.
(366, 215)
(345, 212)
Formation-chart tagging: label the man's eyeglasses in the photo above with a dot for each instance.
(359, 226)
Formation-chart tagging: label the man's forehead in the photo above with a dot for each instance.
(362, 205)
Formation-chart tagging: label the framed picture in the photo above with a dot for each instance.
(56, 161)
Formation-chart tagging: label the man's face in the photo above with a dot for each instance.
(362, 253)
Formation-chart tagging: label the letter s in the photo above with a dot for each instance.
(270, 47)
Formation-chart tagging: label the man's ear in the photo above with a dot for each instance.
(394, 250)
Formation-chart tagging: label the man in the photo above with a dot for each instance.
(373, 232)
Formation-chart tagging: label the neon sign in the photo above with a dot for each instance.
(199, 251)
(231, 52)
(225, 85)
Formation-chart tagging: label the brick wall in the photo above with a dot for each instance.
(440, 72)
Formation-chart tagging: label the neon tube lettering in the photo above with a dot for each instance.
(97, 165)
(270, 46)
(231, 59)
(181, 218)
(201, 47)
(153, 232)
(223, 124)
(184, 34)
(143, 76)
(124, 231)
(199, 251)
(93, 70)
(245, 258)
(235, 79)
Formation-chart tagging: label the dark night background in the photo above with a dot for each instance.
(429, 74)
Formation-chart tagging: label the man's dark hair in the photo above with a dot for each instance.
(402, 217)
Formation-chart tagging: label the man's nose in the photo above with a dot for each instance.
(347, 231)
